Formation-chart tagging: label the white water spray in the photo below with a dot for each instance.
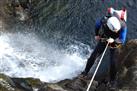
(24, 55)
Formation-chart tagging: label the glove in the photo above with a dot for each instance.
(110, 40)
(118, 41)
(97, 37)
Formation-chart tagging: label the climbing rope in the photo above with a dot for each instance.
(97, 68)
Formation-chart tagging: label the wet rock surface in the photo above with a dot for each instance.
(128, 69)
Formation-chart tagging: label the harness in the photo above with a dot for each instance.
(112, 45)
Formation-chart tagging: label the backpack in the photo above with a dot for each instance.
(121, 14)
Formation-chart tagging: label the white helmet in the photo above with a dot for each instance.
(113, 24)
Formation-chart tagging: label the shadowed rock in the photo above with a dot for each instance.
(69, 85)
(22, 84)
(127, 76)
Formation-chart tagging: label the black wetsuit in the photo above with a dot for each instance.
(104, 32)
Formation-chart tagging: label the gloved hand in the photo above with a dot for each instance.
(110, 40)
(118, 41)
(97, 38)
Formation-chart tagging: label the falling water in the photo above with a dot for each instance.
(25, 55)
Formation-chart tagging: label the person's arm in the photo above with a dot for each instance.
(123, 34)
(97, 26)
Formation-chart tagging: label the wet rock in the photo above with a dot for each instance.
(13, 84)
(127, 75)
(52, 87)
(6, 84)
(76, 84)
(35, 83)
(22, 84)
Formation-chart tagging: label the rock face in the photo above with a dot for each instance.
(127, 75)
(13, 84)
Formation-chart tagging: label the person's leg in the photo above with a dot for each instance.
(96, 53)
(112, 65)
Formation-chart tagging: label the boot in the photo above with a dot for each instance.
(113, 85)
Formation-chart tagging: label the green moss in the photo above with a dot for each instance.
(5, 82)
(34, 82)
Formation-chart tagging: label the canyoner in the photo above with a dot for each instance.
(110, 30)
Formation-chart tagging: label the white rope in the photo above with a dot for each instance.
(97, 68)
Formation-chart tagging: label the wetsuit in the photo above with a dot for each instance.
(102, 30)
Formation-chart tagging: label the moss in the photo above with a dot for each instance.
(5, 83)
(8, 9)
(34, 82)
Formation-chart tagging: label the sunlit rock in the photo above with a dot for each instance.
(13, 84)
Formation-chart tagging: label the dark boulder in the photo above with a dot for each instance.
(127, 75)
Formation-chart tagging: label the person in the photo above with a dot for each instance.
(112, 29)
